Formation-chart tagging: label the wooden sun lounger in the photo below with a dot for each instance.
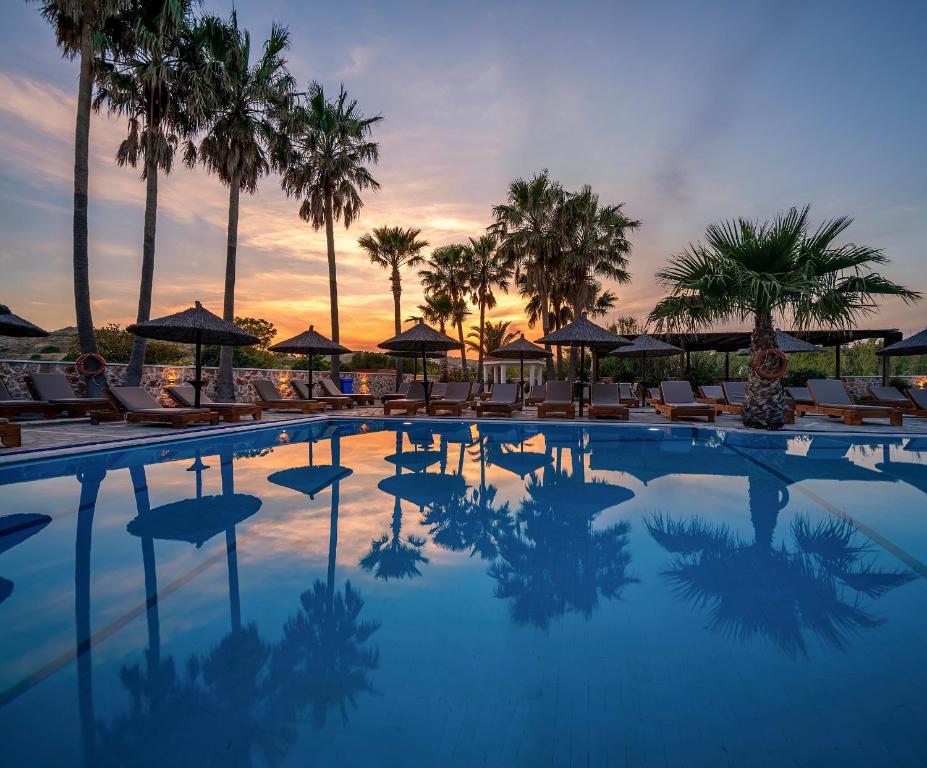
(357, 398)
(139, 406)
(710, 393)
(503, 402)
(410, 404)
(890, 396)
(455, 400)
(301, 390)
(185, 396)
(536, 395)
(653, 396)
(558, 400)
(54, 388)
(398, 394)
(732, 403)
(10, 408)
(626, 394)
(677, 401)
(269, 397)
(10, 434)
(605, 403)
(832, 399)
(918, 397)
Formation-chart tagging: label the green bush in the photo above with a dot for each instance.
(901, 384)
(49, 350)
(319, 363)
(115, 344)
(798, 376)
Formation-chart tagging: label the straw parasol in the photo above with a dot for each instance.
(14, 325)
(584, 333)
(196, 325)
(421, 339)
(913, 345)
(789, 344)
(521, 349)
(643, 347)
(310, 343)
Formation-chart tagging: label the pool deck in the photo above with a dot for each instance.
(44, 438)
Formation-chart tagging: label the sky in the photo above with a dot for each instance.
(688, 113)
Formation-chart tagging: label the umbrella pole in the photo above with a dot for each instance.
(643, 385)
(198, 376)
(521, 376)
(582, 360)
(310, 374)
(425, 375)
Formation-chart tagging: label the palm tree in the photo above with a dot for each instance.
(438, 308)
(527, 231)
(750, 270)
(328, 170)
(80, 28)
(159, 86)
(492, 336)
(448, 273)
(488, 272)
(245, 135)
(393, 248)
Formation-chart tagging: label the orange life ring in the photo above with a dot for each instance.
(758, 363)
(81, 364)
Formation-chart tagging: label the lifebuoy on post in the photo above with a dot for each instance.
(758, 364)
(90, 371)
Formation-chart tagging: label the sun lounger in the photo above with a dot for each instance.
(735, 392)
(890, 396)
(11, 408)
(185, 396)
(677, 401)
(799, 396)
(303, 392)
(10, 434)
(626, 394)
(653, 396)
(918, 397)
(398, 394)
(456, 398)
(139, 406)
(713, 394)
(536, 395)
(409, 404)
(503, 402)
(54, 388)
(438, 390)
(831, 399)
(559, 400)
(269, 397)
(605, 402)
(331, 389)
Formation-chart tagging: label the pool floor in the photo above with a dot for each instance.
(382, 593)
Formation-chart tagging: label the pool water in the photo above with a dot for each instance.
(373, 593)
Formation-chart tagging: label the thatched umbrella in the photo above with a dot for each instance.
(789, 344)
(198, 326)
(310, 343)
(584, 333)
(913, 345)
(421, 339)
(14, 325)
(643, 347)
(520, 349)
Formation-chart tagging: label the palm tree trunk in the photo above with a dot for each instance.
(463, 347)
(396, 281)
(332, 281)
(133, 375)
(226, 374)
(545, 326)
(764, 403)
(479, 366)
(81, 258)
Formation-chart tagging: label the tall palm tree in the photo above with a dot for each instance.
(747, 270)
(80, 29)
(329, 171)
(528, 233)
(160, 87)
(489, 271)
(438, 308)
(491, 336)
(448, 272)
(246, 133)
(393, 248)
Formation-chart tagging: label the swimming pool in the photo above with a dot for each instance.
(391, 593)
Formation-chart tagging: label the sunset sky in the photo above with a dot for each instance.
(688, 112)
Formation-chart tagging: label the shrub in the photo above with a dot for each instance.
(901, 384)
(798, 376)
(49, 350)
(115, 344)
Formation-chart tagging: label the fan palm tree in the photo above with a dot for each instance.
(329, 172)
(160, 86)
(528, 233)
(448, 272)
(393, 248)
(492, 336)
(245, 136)
(80, 29)
(747, 270)
(489, 271)
(438, 308)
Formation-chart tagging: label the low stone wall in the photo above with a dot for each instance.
(859, 385)
(155, 377)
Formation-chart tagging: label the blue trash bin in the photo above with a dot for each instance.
(347, 385)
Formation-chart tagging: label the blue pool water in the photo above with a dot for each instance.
(451, 594)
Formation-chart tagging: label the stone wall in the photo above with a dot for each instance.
(154, 377)
(859, 385)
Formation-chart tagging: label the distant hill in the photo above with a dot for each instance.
(53, 347)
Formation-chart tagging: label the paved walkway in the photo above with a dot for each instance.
(73, 435)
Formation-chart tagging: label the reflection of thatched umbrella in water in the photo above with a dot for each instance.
(15, 529)
(758, 588)
(323, 661)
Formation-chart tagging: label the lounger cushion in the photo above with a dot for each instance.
(330, 388)
(829, 392)
(135, 398)
(52, 386)
(187, 396)
(799, 394)
(267, 391)
(715, 392)
(503, 394)
(889, 395)
(735, 392)
(558, 392)
(605, 394)
(919, 396)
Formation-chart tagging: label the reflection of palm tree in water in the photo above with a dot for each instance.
(552, 561)
(779, 592)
